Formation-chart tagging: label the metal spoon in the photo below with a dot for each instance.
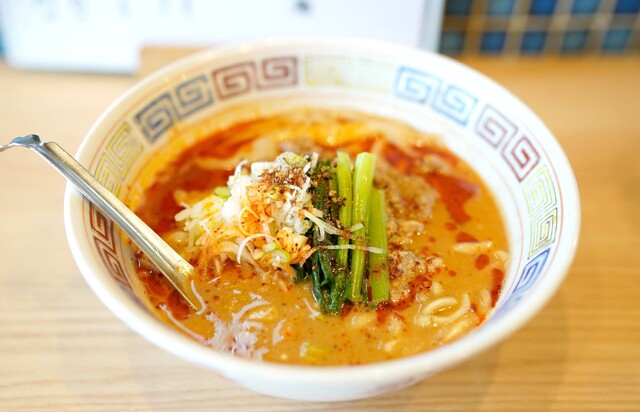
(170, 263)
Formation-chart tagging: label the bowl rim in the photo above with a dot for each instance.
(158, 333)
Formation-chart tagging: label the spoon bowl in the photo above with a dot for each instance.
(170, 263)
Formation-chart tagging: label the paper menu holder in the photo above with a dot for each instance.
(108, 35)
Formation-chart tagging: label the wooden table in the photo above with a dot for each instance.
(61, 349)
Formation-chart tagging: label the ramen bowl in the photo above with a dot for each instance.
(508, 146)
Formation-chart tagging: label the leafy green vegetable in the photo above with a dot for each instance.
(329, 276)
(362, 183)
(378, 266)
(338, 266)
(345, 184)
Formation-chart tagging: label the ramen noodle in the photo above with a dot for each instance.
(242, 206)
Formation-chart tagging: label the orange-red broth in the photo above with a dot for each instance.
(291, 330)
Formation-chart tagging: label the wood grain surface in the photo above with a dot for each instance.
(62, 350)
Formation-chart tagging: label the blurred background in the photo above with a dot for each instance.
(110, 35)
(536, 27)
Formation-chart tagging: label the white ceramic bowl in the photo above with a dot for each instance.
(480, 121)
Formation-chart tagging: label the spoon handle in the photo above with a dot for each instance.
(170, 263)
